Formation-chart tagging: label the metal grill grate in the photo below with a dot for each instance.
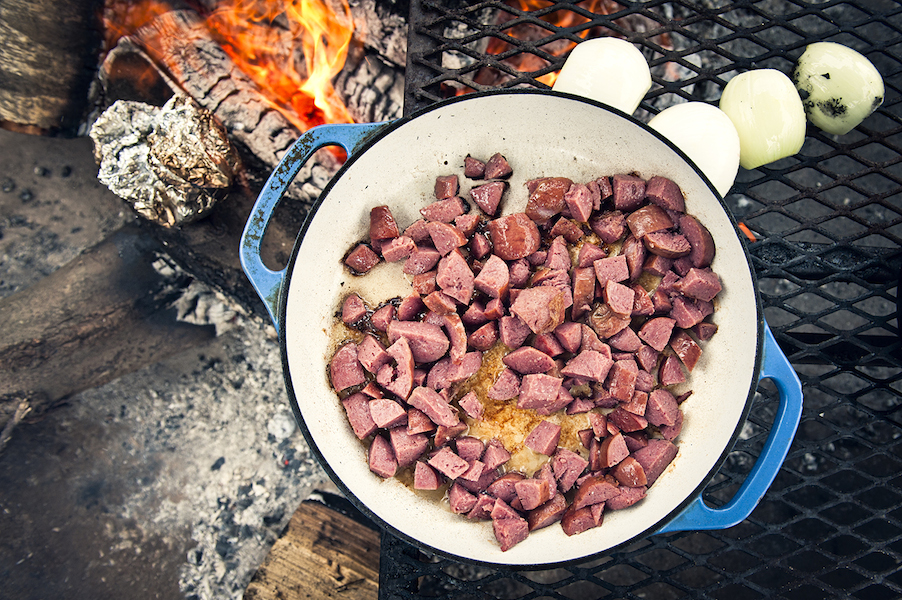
(827, 225)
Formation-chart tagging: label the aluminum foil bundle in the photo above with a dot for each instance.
(171, 163)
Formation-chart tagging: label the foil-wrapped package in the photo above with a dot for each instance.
(171, 163)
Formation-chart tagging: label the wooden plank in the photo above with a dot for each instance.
(321, 554)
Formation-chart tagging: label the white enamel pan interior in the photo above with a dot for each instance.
(540, 134)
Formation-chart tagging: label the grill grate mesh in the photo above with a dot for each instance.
(827, 225)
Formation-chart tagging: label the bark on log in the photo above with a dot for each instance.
(102, 315)
(48, 59)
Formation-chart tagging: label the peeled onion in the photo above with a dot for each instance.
(707, 136)
(768, 115)
(609, 70)
(839, 87)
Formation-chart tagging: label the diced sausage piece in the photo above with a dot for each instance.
(456, 334)
(474, 472)
(446, 372)
(700, 239)
(541, 308)
(436, 408)
(609, 226)
(605, 322)
(514, 236)
(634, 251)
(494, 309)
(418, 422)
(479, 246)
(494, 278)
(665, 193)
(627, 497)
(532, 493)
(671, 372)
(444, 434)
(630, 473)
(547, 514)
(495, 454)
(619, 298)
(656, 332)
(571, 231)
(504, 488)
(469, 448)
(661, 302)
(510, 532)
(473, 168)
(417, 231)
(686, 312)
(445, 186)
(704, 331)
(488, 196)
(645, 381)
(588, 254)
(387, 413)
(655, 457)
(513, 331)
(567, 467)
(371, 354)
(446, 462)
(569, 335)
(546, 198)
(642, 305)
(408, 310)
(484, 506)
(539, 392)
(487, 477)
(612, 450)
(383, 316)
(558, 257)
(613, 268)
(357, 407)
(686, 348)
(352, 309)
(408, 447)
(647, 357)
(589, 365)
(594, 490)
(455, 278)
(526, 359)
(662, 408)
(648, 219)
(440, 303)
(520, 271)
(507, 386)
(701, 284)
(670, 432)
(344, 368)
(484, 337)
(629, 191)
(460, 500)
(578, 521)
(667, 244)
(579, 201)
(626, 421)
(544, 438)
(381, 458)
(425, 477)
(427, 341)
(467, 223)
(657, 265)
(682, 265)
(398, 248)
(562, 401)
(444, 211)
(362, 259)
(625, 341)
(547, 474)
(548, 344)
(497, 167)
(605, 190)
(382, 224)
(445, 237)
(421, 260)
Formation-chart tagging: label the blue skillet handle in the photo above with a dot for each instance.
(700, 516)
(267, 282)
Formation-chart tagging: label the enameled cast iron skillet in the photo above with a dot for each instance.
(541, 134)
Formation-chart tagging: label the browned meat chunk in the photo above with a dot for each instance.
(445, 186)
(686, 348)
(514, 236)
(510, 532)
(445, 237)
(344, 368)
(656, 332)
(473, 168)
(655, 457)
(408, 447)
(648, 219)
(526, 359)
(382, 224)
(357, 407)
(544, 438)
(494, 278)
(547, 514)
(507, 386)
(540, 308)
(362, 259)
(667, 244)
(700, 239)
(427, 341)
(446, 462)
(455, 278)
(381, 458)
(488, 196)
(539, 392)
(444, 211)
(434, 406)
(532, 493)
(665, 193)
(425, 477)
(594, 490)
(609, 226)
(701, 284)
(497, 167)
(546, 198)
(579, 201)
(628, 190)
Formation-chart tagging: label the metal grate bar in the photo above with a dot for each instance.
(828, 231)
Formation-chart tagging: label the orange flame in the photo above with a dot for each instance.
(261, 37)
(291, 49)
